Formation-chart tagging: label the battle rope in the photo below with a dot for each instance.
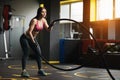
(82, 65)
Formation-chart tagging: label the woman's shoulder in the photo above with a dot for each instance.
(33, 20)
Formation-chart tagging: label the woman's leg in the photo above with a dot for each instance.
(24, 45)
(36, 48)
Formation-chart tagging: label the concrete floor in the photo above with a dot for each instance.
(11, 70)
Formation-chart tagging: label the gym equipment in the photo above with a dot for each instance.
(7, 13)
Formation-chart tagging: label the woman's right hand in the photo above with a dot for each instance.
(51, 25)
(35, 44)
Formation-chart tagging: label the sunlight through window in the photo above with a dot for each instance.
(77, 11)
(117, 8)
(72, 11)
(104, 9)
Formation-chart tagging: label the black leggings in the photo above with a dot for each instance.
(24, 41)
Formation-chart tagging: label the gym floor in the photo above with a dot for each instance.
(11, 70)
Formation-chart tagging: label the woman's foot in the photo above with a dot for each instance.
(42, 73)
(25, 74)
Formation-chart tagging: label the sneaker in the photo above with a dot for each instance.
(25, 74)
(42, 73)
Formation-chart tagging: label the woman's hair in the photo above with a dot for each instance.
(39, 12)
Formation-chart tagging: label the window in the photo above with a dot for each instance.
(117, 8)
(72, 11)
(104, 9)
(77, 11)
(64, 11)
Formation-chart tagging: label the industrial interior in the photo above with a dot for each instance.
(84, 43)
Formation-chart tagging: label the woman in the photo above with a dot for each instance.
(36, 25)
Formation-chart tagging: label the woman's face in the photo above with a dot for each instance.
(43, 12)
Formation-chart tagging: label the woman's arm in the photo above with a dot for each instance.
(30, 30)
(47, 27)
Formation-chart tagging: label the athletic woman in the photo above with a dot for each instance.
(37, 24)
